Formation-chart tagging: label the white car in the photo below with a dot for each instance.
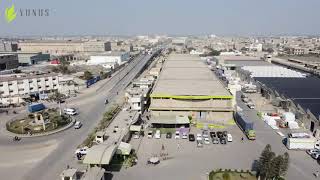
(77, 125)
(70, 111)
(229, 137)
(82, 151)
(206, 140)
(199, 137)
(184, 136)
(150, 134)
(313, 151)
(177, 136)
(157, 135)
(136, 135)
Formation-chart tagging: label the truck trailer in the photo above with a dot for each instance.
(302, 143)
(245, 125)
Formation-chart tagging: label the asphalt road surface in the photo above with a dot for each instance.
(61, 150)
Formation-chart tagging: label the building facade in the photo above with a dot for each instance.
(62, 47)
(8, 61)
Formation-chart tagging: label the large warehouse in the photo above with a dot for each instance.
(186, 86)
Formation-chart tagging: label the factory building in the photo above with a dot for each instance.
(30, 58)
(62, 47)
(187, 87)
(8, 61)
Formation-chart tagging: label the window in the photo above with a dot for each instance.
(20, 82)
(30, 81)
(31, 88)
(38, 80)
(21, 89)
(11, 91)
(1, 85)
(46, 79)
(10, 83)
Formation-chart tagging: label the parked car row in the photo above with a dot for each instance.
(247, 101)
(221, 137)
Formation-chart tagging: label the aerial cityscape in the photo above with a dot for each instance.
(143, 90)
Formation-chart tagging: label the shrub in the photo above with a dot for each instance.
(226, 176)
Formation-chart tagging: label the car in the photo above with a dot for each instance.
(223, 140)
(106, 101)
(205, 133)
(70, 111)
(213, 134)
(77, 125)
(315, 155)
(169, 135)
(229, 137)
(115, 129)
(184, 135)
(215, 140)
(224, 133)
(199, 137)
(312, 151)
(82, 151)
(206, 140)
(250, 105)
(150, 134)
(157, 135)
(199, 143)
(136, 135)
(177, 136)
(191, 137)
(219, 134)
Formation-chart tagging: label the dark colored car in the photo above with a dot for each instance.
(219, 134)
(168, 135)
(225, 133)
(213, 135)
(223, 140)
(191, 137)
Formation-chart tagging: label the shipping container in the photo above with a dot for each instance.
(245, 124)
(35, 107)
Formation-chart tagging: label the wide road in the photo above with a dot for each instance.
(58, 149)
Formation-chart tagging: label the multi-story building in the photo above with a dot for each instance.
(62, 47)
(8, 61)
(14, 88)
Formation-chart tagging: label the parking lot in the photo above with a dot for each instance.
(187, 161)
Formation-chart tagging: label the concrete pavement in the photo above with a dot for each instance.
(91, 107)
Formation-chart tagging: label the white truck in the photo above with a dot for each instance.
(302, 143)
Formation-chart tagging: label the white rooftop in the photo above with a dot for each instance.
(272, 71)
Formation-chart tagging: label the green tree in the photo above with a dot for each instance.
(226, 176)
(264, 163)
(58, 97)
(275, 170)
(285, 164)
(87, 75)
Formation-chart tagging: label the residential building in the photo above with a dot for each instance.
(14, 88)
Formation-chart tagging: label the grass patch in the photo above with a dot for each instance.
(27, 124)
(104, 123)
(210, 126)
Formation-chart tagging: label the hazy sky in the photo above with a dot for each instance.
(128, 17)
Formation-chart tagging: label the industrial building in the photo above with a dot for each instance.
(30, 58)
(62, 47)
(186, 86)
(8, 61)
(109, 60)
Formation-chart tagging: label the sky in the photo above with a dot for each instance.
(173, 17)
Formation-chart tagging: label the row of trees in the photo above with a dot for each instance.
(271, 166)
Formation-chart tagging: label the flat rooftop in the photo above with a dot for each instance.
(187, 75)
